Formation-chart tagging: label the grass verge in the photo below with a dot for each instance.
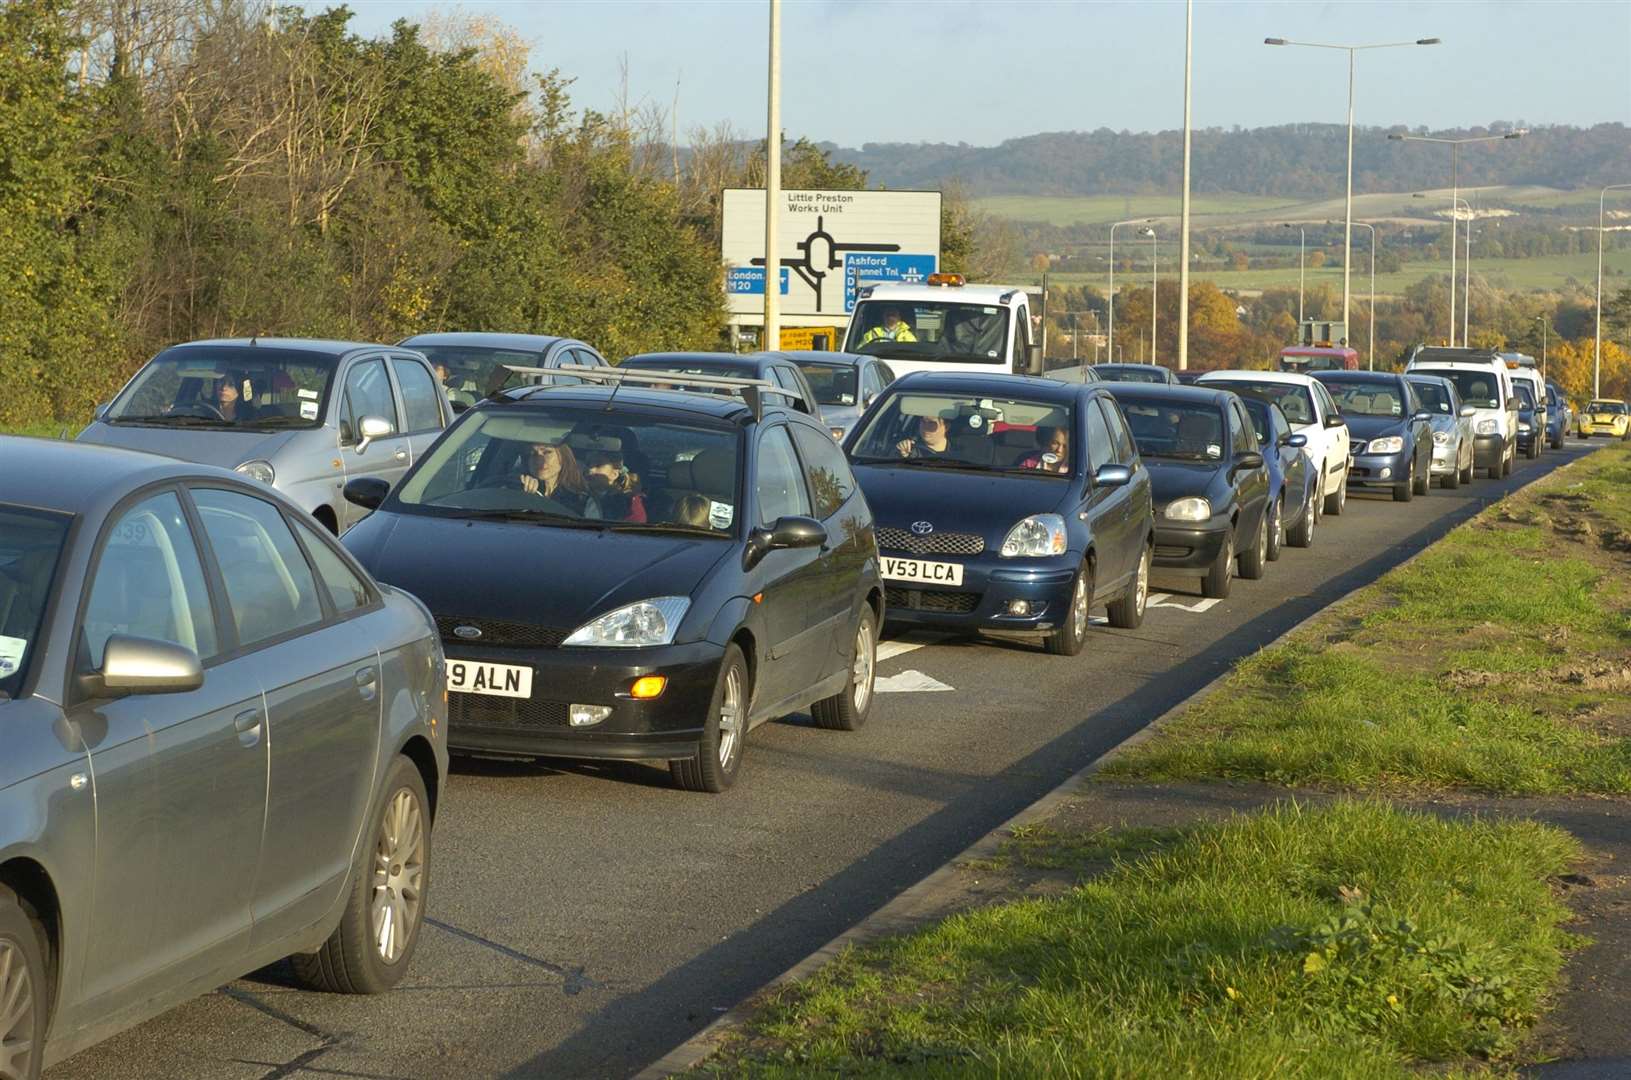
(1353, 941)
(49, 430)
(1497, 661)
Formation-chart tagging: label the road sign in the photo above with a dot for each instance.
(810, 337)
(821, 232)
(865, 268)
(750, 281)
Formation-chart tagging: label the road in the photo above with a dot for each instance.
(587, 918)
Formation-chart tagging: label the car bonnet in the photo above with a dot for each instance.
(951, 500)
(207, 446)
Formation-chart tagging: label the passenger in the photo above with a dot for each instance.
(614, 487)
(933, 440)
(1054, 455)
(553, 473)
(893, 329)
(691, 510)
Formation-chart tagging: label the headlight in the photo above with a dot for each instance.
(258, 470)
(1487, 427)
(1193, 508)
(1525, 428)
(1442, 438)
(1387, 444)
(649, 622)
(1037, 535)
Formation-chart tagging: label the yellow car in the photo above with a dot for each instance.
(1604, 417)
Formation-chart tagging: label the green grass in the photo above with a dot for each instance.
(48, 430)
(1066, 210)
(1495, 662)
(1355, 942)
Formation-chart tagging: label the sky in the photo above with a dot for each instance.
(859, 71)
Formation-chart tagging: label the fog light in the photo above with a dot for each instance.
(1019, 607)
(585, 715)
(1386, 472)
(648, 687)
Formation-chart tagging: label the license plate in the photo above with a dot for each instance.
(500, 680)
(929, 573)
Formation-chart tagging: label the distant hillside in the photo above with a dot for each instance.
(1297, 161)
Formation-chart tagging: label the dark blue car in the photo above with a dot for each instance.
(1557, 415)
(1293, 478)
(1390, 427)
(1531, 420)
(1005, 502)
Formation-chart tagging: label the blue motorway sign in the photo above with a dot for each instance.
(867, 268)
(749, 280)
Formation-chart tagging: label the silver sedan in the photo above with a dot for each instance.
(221, 744)
(1451, 420)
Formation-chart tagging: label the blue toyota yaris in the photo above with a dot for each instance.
(1004, 502)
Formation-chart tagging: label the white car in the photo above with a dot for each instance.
(1484, 382)
(1309, 407)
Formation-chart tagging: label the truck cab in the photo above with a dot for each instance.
(945, 325)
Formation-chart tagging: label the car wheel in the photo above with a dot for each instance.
(848, 709)
(719, 754)
(1404, 491)
(1072, 632)
(1423, 478)
(1277, 529)
(1215, 585)
(24, 996)
(1534, 448)
(1511, 459)
(1254, 559)
(369, 951)
(1337, 501)
(1128, 612)
(1303, 535)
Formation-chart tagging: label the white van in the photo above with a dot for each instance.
(945, 325)
(1485, 382)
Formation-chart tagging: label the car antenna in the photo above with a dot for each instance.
(611, 397)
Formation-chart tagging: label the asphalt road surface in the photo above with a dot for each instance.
(584, 919)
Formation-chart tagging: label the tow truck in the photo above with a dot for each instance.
(945, 325)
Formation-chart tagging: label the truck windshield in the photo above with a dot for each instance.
(930, 330)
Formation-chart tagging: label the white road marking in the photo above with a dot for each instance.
(1195, 607)
(888, 650)
(909, 682)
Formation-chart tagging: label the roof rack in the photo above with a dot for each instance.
(753, 390)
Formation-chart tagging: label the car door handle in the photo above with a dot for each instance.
(248, 726)
(367, 683)
(401, 455)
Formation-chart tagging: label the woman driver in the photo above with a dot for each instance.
(552, 472)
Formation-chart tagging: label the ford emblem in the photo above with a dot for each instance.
(923, 528)
(469, 633)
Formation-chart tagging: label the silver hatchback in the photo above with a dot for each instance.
(303, 416)
(221, 744)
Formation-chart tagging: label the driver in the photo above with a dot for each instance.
(552, 472)
(893, 329)
(229, 401)
(933, 440)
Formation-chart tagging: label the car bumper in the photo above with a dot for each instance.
(1615, 430)
(1526, 439)
(1488, 451)
(666, 727)
(1446, 459)
(1372, 470)
(990, 585)
(1179, 547)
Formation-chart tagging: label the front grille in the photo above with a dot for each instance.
(1168, 551)
(500, 633)
(892, 539)
(487, 711)
(950, 603)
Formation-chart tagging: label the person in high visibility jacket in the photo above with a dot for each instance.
(893, 329)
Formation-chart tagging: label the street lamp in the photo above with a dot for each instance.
(1597, 363)
(1302, 241)
(1466, 271)
(1371, 365)
(1154, 278)
(1348, 212)
(1455, 192)
(1110, 331)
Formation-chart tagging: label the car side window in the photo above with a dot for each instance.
(786, 381)
(831, 482)
(1328, 405)
(346, 591)
(1100, 449)
(1240, 431)
(149, 583)
(420, 401)
(1126, 449)
(587, 358)
(779, 485)
(367, 393)
(269, 586)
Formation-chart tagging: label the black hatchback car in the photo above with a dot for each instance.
(1211, 482)
(1391, 430)
(1005, 502)
(633, 574)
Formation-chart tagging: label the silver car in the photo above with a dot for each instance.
(1451, 421)
(221, 744)
(845, 384)
(472, 365)
(299, 415)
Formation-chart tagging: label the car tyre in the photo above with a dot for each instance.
(1337, 501)
(369, 952)
(1254, 560)
(719, 754)
(848, 709)
(1534, 448)
(1277, 530)
(1403, 492)
(1127, 613)
(1303, 535)
(1215, 585)
(24, 990)
(1423, 478)
(1452, 479)
(1072, 633)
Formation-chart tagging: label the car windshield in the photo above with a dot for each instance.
(226, 386)
(1526, 396)
(1297, 402)
(834, 384)
(1115, 373)
(30, 544)
(1191, 431)
(471, 372)
(1612, 408)
(1366, 398)
(1477, 388)
(1434, 398)
(929, 330)
(996, 434)
(575, 466)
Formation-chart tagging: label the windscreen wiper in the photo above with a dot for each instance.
(173, 420)
(661, 527)
(540, 517)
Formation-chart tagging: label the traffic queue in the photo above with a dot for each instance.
(353, 560)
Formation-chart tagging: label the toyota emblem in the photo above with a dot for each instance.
(469, 633)
(923, 528)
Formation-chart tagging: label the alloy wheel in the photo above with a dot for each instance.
(1263, 540)
(861, 671)
(1141, 593)
(399, 871)
(1078, 607)
(730, 717)
(16, 1013)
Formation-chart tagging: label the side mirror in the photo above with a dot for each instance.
(101, 410)
(792, 531)
(1297, 440)
(1033, 359)
(1423, 415)
(1334, 420)
(367, 492)
(1113, 476)
(1468, 410)
(1251, 459)
(372, 427)
(137, 665)
(1512, 402)
(458, 406)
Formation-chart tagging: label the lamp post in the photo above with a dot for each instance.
(1455, 192)
(1154, 296)
(1348, 212)
(1302, 242)
(1597, 363)
(1183, 214)
(773, 184)
(1110, 332)
(1371, 364)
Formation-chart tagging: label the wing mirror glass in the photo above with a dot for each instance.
(1334, 420)
(137, 665)
(371, 428)
(1296, 439)
(1468, 410)
(1112, 476)
(367, 492)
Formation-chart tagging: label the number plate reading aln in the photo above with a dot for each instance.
(501, 680)
(931, 573)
